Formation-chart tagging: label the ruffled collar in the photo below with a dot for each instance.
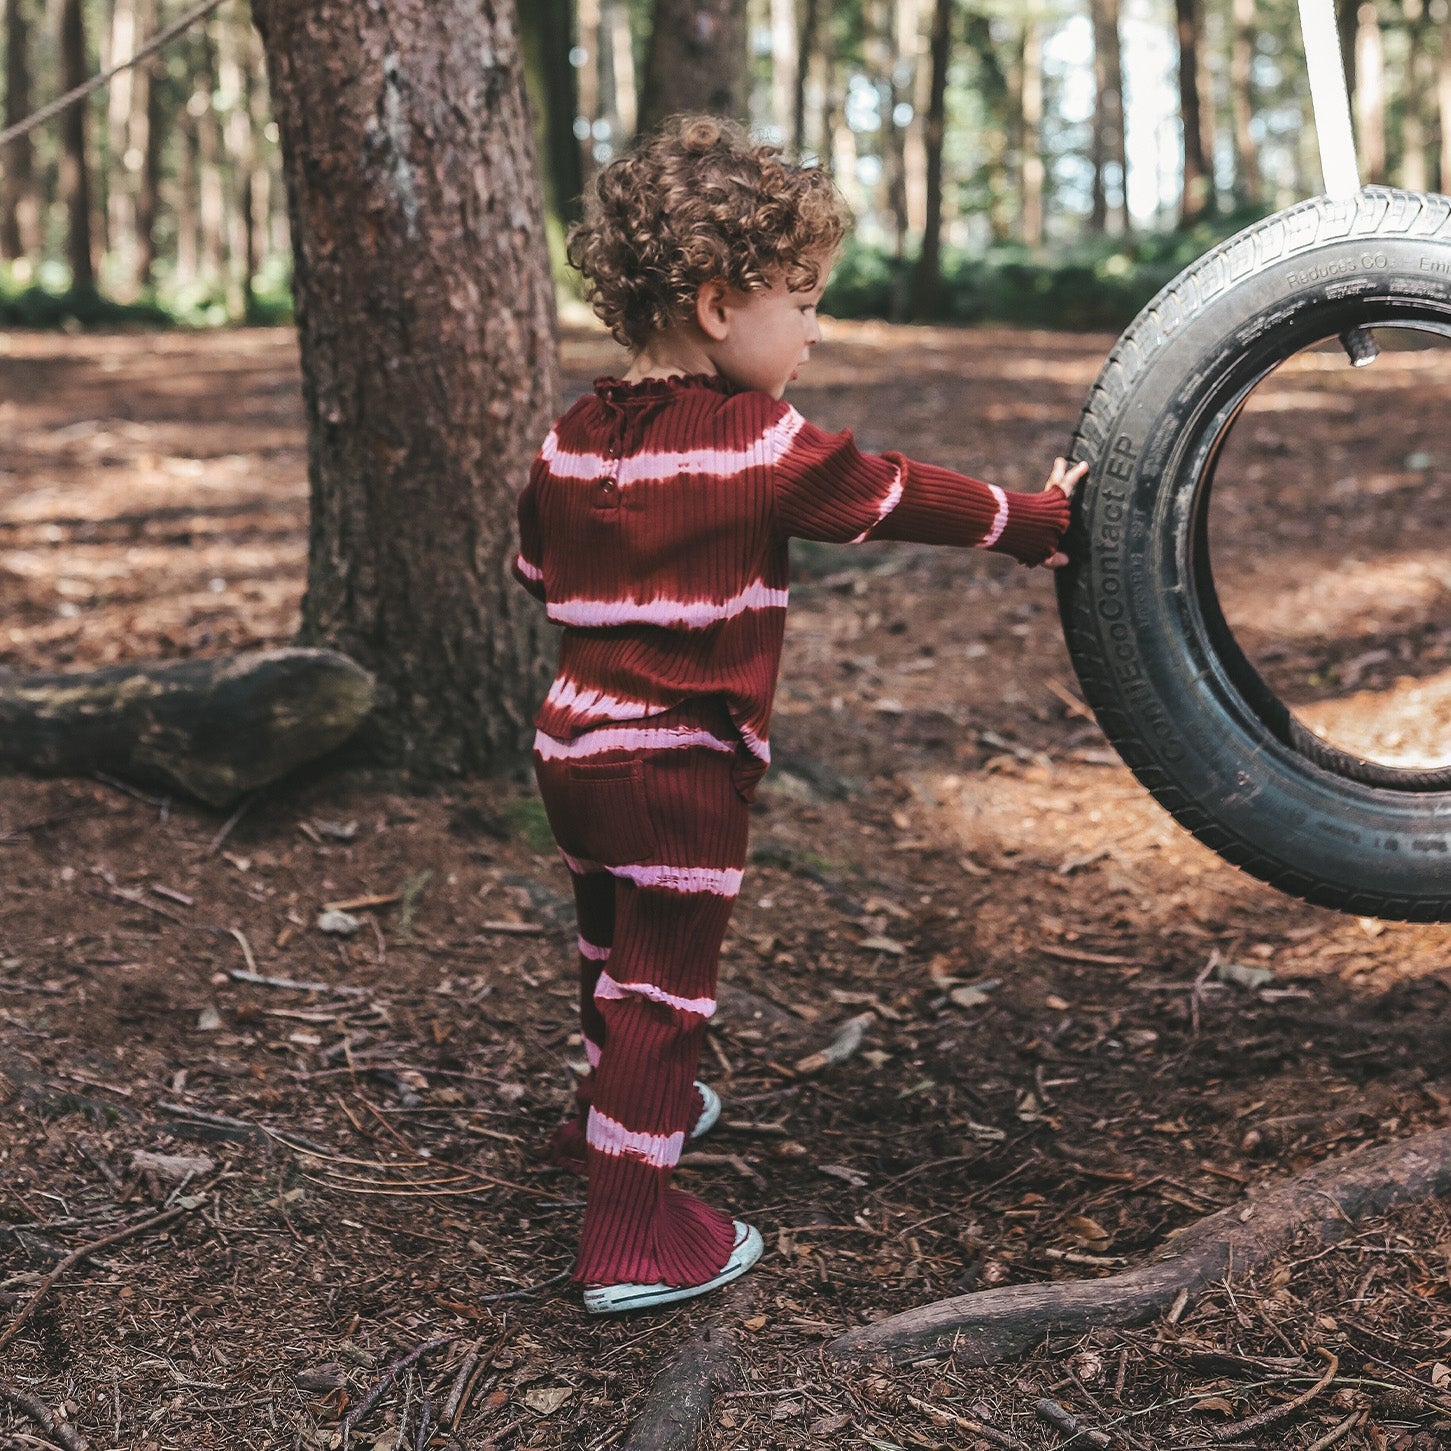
(618, 391)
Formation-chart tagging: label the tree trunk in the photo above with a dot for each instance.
(1109, 148)
(1196, 192)
(1415, 157)
(425, 315)
(211, 197)
(786, 67)
(1370, 101)
(622, 70)
(927, 285)
(590, 75)
(1242, 102)
(125, 164)
(805, 60)
(1443, 94)
(144, 149)
(698, 60)
(547, 39)
(1031, 152)
(239, 144)
(75, 172)
(19, 201)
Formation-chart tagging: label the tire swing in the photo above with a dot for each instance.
(1172, 689)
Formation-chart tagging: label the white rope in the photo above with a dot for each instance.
(1330, 98)
(96, 82)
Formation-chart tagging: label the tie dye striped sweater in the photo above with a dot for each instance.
(655, 528)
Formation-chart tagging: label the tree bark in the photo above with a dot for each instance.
(211, 196)
(1196, 191)
(144, 148)
(698, 60)
(19, 201)
(425, 314)
(75, 171)
(215, 728)
(995, 1325)
(1242, 102)
(240, 146)
(626, 93)
(1370, 100)
(546, 27)
(927, 284)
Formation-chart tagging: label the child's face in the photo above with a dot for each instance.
(769, 335)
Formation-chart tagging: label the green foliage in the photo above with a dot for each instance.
(524, 819)
(1098, 284)
(50, 303)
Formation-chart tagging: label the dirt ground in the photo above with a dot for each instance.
(1051, 1084)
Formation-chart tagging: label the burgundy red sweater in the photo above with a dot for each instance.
(655, 528)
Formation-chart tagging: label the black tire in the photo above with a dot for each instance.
(1189, 714)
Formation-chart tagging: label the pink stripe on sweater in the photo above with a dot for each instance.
(593, 951)
(1000, 519)
(529, 571)
(627, 738)
(693, 614)
(718, 882)
(566, 695)
(660, 1151)
(592, 1052)
(892, 498)
(608, 990)
(719, 463)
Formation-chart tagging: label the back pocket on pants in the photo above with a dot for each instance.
(598, 811)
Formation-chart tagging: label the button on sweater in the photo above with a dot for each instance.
(656, 526)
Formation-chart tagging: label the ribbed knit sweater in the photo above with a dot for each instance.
(655, 528)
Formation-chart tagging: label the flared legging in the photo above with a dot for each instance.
(653, 830)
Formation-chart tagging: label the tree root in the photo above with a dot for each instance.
(680, 1398)
(994, 1325)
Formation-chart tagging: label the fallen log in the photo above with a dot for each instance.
(993, 1325)
(215, 728)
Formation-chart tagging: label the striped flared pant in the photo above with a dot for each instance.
(653, 830)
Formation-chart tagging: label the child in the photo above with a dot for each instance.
(655, 528)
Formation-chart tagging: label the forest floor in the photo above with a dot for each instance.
(945, 842)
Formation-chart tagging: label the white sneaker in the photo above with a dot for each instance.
(610, 1299)
(710, 1111)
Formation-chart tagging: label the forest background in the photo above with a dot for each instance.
(1054, 162)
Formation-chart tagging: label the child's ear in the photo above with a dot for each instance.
(711, 311)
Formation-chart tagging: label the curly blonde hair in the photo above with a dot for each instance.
(695, 202)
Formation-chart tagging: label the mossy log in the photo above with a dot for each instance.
(214, 729)
(1326, 1201)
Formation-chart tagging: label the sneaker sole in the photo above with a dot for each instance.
(612, 1299)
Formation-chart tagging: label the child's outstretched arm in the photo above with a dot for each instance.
(826, 488)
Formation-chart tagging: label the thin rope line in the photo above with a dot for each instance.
(96, 82)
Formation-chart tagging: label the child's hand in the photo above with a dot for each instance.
(1063, 479)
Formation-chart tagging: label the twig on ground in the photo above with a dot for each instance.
(1278, 1413)
(79, 1254)
(454, 1402)
(964, 1423)
(1053, 1414)
(527, 1290)
(258, 980)
(68, 1436)
(1336, 1432)
(215, 844)
(390, 1374)
(845, 1042)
